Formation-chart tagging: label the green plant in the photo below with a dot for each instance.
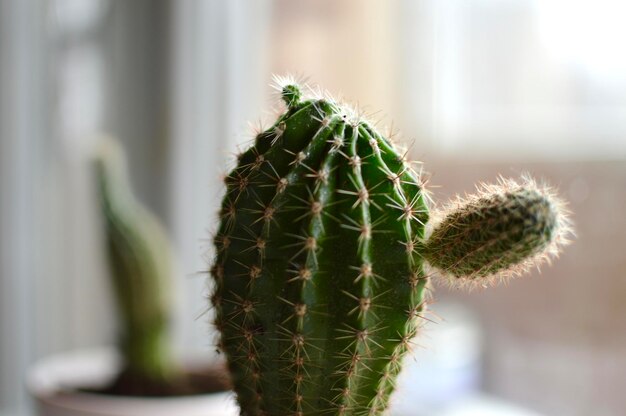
(139, 260)
(320, 279)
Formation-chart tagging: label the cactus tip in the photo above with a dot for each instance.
(291, 95)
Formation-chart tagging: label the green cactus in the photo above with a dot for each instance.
(319, 276)
(139, 259)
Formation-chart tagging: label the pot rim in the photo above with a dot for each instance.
(56, 377)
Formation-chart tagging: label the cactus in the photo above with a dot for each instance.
(139, 259)
(319, 275)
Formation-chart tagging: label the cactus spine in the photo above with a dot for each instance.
(139, 259)
(319, 272)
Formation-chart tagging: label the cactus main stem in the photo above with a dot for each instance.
(318, 286)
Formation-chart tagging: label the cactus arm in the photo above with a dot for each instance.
(138, 256)
(499, 232)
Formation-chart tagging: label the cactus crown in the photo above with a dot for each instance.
(319, 272)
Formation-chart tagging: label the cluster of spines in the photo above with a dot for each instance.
(316, 249)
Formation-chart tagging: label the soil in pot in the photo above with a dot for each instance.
(203, 380)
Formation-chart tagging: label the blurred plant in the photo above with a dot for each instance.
(139, 258)
(320, 279)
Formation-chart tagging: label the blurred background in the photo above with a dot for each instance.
(475, 88)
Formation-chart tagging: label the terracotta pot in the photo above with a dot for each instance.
(55, 385)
